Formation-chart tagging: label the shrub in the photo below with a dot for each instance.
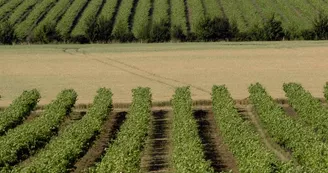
(122, 34)
(273, 30)
(99, 30)
(320, 27)
(214, 29)
(46, 34)
(177, 34)
(308, 34)
(160, 32)
(7, 33)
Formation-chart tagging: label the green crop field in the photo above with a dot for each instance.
(134, 19)
(229, 102)
(221, 134)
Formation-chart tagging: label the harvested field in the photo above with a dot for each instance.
(162, 67)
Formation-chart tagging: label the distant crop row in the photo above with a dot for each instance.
(53, 16)
(141, 20)
(8, 7)
(65, 25)
(24, 28)
(89, 14)
(49, 21)
(21, 10)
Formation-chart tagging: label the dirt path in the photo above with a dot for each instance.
(215, 150)
(108, 132)
(279, 152)
(290, 111)
(156, 153)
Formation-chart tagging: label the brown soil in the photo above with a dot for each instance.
(69, 119)
(162, 69)
(215, 150)
(290, 111)
(156, 153)
(97, 149)
(33, 115)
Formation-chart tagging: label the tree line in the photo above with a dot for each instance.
(208, 29)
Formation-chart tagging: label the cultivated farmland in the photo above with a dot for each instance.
(259, 134)
(132, 19)
(201, 107)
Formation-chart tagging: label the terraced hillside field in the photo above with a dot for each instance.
(258, 134)
(130, 17)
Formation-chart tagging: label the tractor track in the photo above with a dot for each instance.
(135, 70)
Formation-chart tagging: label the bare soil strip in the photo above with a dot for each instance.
(97, 148)
(32, 116)
(156, 153)
(279, 152)
(215, 150)
(290, 111)
(188, 15)
(131, 16)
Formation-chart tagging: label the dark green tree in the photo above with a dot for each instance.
(46, 34)
(160, 32)
(273, 30)
(215, 29)
(320, 27)
(7, 33)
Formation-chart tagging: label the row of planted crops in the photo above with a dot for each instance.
(45, 20)
(304, 137)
